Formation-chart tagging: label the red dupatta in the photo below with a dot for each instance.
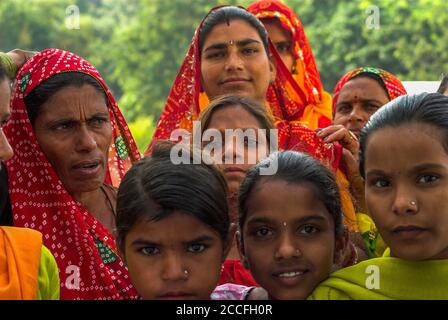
(186, 100)
(299, 96)
(39, 200)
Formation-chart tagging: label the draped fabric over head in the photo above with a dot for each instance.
(86, 253)
(393, 85)
(186, 101)
(299, 96)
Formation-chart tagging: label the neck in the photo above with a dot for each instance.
(97, 205)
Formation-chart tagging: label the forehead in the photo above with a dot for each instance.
(235, 30)
(282, 201)
(275, 30)
(5, 96)
(232, 117)
(405, 146)
(167, 229)
(362, 88)
(70, 99)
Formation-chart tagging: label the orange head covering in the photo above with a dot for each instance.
(299, 96)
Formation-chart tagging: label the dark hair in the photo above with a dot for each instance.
(375, 77)
(39, 95)
(295, 168)
(227, 14)
(155, 187)
(428, 108)
(443, 85)
(255, 109)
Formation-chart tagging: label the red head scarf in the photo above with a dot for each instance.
(393, 84)
(40, 201)
(299, 97)
(185, 102)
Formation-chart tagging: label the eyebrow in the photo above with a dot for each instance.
(96, 115)
(308, 218)
(239, 43)
(149, 243)
(417, 168)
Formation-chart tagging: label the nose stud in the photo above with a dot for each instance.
(186, 273)
(413, 203)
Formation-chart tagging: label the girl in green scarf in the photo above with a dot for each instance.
(404, 161)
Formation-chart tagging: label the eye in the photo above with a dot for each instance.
(427, 178)
(283, 47)
(248, 141)
(98, 121)
(372, 108)
(308, 229)
(249, 51)
(215, 55)
(63, 126)
(344, 108)
(150, 251)
(263, 232)
(380, 183)
(196, 248)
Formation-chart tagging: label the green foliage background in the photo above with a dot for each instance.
(138, 45)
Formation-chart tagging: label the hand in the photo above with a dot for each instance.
(355, 179)
(338, 133)
(19, 57)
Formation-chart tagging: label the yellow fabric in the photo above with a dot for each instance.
(48, 277)
(313, 112)
(348, 209)
(20, 253)
(387, 278)
(374, 242)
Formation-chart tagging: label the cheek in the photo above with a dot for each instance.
(104, 138)
(143, 275)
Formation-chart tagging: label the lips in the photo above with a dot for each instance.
(409, 232)
(234, 80)
(290, 277)
(87, 168)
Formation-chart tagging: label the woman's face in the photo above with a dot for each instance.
(242, 152)
(234, 61)
(5, 96)
(175, 258)
(288, 239)
(282, 40)
(406, 171)
(358, 100)
(74, 131)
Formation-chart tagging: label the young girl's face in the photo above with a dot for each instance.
(406, 172)
(178, 257)
(288, 239)
(242, 156)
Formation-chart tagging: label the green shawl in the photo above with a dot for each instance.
(391, 278)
